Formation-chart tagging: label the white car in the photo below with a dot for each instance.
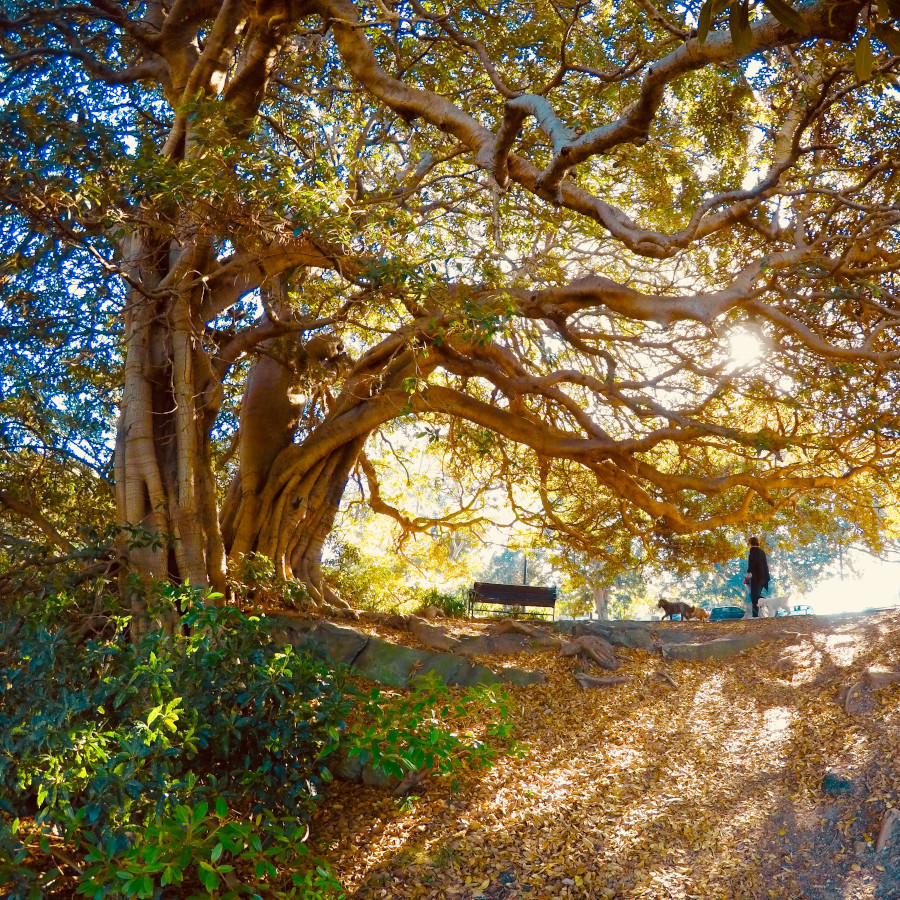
(802, 609)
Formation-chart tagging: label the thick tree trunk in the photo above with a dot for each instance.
(284, 498)
(290, 524)
(166, 486)
(302, 516)
(290, 518)
(164, 478)
(601, 602)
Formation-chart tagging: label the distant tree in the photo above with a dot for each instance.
(801, 554)
(270, 231)
(505, 567)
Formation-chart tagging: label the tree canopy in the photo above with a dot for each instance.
(633, 264)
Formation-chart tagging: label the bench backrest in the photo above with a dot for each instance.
(513, 594)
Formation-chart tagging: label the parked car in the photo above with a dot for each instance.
(726, 613)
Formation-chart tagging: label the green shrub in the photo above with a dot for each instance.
(187, 765)
(422, 728)
(252, 582)
(209, 848)
(187, 850)
(109, 744)
(455, 605)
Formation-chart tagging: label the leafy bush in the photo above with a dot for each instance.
(184, 848)
(368, 581)
(123, 749)
(253, 582)
(452, 605)
(187, 764)
(421, 728)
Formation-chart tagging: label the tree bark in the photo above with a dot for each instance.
(289, 518)
(601, 602)
(164, 476)
(165, 481)
(284, 498)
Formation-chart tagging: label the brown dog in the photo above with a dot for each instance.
(685, 610)
(701, 613)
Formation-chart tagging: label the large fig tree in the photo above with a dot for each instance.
(546, 231)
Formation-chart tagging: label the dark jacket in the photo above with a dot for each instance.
(758, 569)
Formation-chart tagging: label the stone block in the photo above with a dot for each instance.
(521, 677)
(633, 635)
(878, 677)
(337, 644)
(479, 675)
(387, 663)
(448, 666)
(720, 648)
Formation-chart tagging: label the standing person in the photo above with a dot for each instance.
(757, 574)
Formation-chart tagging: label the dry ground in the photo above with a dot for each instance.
(711, 789)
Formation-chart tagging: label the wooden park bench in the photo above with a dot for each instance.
(531, 600)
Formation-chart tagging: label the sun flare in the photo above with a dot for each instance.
(745, 348)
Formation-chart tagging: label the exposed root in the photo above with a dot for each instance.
(884, 833)
(852, 692)
(663, 675)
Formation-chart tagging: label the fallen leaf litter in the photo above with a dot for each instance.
(711, 788)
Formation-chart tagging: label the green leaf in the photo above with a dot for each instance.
(208, 877)
(865, 59)
(787, 15)
(888, 36)
(221, 808)
(739, 24)
(705, 21)
(328, 749)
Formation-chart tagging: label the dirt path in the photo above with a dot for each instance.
(712, 789)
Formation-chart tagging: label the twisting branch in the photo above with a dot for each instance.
(633, 126)
(514, 114)
(39, 519)
(443, 22)
(145, 70)
(614, 465)
(657, 16)
(822, 18)
(419, 524)
(556, 303)
(222, 36)
(268, 327)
